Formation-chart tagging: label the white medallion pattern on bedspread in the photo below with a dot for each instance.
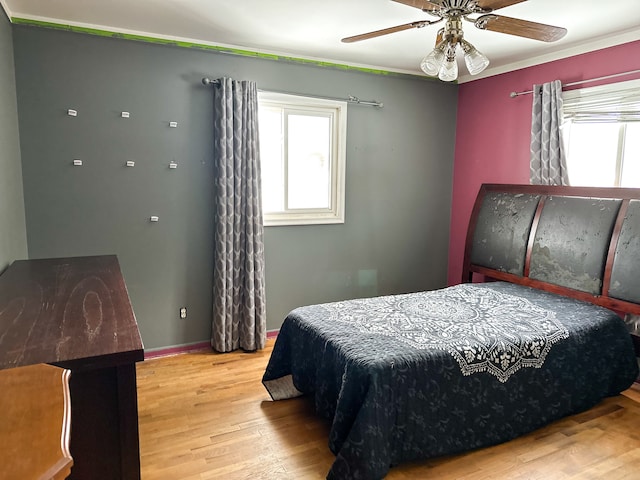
(483, 329)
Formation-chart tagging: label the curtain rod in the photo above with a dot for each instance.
(351, 99)
(607, 77)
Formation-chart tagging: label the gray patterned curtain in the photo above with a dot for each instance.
(548, 163)
(239, 313)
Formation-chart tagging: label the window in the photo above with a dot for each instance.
(602, 135)
(302, 152)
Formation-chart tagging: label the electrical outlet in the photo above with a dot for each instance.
(183, 312)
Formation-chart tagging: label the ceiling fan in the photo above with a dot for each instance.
(442, 59)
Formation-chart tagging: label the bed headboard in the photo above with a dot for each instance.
(580, 242)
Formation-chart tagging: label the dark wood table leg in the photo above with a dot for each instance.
(104, 424)
(128, 407)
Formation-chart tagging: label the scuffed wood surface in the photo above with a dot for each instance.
(206, 416)
(65, 309)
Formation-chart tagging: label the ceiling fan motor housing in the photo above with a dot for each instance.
(459, 7)
(453, 29)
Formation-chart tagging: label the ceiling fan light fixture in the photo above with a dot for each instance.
(433, 61)
(441, 61)
(476, 61)
(449, 70)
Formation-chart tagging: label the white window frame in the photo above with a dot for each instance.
(337, 111)
(580, 106)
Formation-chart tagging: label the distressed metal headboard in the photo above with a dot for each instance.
(580, 242)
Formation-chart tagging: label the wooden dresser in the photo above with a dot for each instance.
(75, 313)
(35, 423)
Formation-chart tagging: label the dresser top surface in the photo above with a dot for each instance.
(67, 309)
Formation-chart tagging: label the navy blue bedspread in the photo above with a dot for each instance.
(414, 376)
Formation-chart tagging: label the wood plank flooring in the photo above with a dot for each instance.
(206, 416)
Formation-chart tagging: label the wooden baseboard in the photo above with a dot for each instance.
(176, 350)
(190, 347)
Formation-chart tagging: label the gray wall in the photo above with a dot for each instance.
(398, 186)
(13, 235)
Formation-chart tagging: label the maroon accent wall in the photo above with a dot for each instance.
(493, 129)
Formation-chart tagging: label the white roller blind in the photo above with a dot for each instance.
(617, 102)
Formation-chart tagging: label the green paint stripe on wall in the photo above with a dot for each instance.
(200, 46)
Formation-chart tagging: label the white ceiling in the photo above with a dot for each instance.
(313, 29)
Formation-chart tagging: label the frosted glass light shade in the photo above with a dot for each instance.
(431, 63)
(476, 61)
(449, 70)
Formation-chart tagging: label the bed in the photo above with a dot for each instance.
(532, 334)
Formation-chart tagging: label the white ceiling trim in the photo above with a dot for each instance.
(168, 38)
(6, 9)
(597, 44)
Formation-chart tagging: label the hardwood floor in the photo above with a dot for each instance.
(207, 416)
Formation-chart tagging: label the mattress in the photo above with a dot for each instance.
(419, 375)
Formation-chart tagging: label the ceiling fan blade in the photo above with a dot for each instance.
(385, 31)
(521, 28)
(423, 5)
(496, 4)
